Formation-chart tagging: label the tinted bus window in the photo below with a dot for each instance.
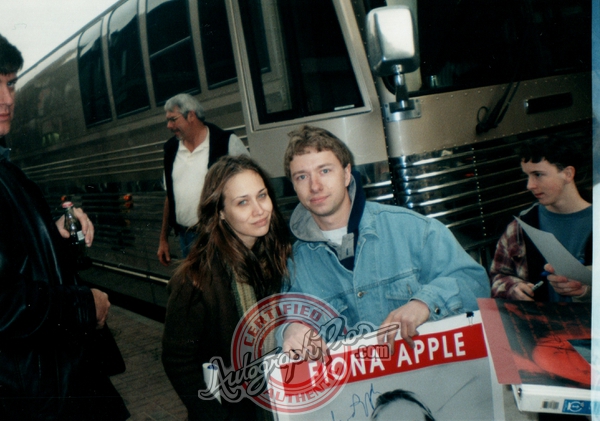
(126, 66)
(171, 52)
(216, 43)
(476, 43)
(92, 83)
(310, 71)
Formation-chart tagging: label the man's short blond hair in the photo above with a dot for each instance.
(307, 137)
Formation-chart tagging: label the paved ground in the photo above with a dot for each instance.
(144, 385)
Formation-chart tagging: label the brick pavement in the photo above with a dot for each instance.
(144, 385)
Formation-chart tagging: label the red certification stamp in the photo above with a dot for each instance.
(272, 379)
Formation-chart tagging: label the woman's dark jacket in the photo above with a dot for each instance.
(46, 319)
(199, 325)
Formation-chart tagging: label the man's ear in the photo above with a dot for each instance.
(569, 173)
(347, 174)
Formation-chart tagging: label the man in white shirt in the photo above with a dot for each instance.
(195, 146)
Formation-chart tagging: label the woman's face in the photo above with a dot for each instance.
(247, 206)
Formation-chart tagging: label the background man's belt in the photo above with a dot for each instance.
(181, 229)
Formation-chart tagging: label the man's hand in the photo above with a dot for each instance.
(563, 285)
(102, 305)
(164, 256)
(522, 291)
(406, 318)
(86, 226)
(302, 342)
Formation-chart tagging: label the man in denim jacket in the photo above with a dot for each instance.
(373, 263)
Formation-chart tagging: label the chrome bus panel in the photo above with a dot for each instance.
(475, 189)
(448, 120)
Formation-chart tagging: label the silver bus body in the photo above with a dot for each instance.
(90, 125)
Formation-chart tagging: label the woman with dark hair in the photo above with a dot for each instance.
(238, 259)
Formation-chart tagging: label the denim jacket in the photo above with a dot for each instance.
(400, 256)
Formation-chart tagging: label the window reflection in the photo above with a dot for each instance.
(216, 43)
(299, 62)
(172, 59)
(126, 65)
(94, 93)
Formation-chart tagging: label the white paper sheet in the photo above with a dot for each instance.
(211, 378)
(563, 262)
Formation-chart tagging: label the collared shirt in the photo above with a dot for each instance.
(189, 171)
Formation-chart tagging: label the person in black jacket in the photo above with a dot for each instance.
(49, 325)
(194, 148)
(240, 258)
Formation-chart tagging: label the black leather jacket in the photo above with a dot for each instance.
(45, 317)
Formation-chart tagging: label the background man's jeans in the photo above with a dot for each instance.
(186, 241)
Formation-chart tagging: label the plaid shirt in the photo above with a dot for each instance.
(510, 262)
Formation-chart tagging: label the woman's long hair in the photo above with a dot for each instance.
(264, 267)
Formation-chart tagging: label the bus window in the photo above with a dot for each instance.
(92, 83)
(309, 70)
(172, 59)
(475, 43)
(216, 43)
(126, 66)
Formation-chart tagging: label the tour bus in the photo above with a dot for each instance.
(433, 97)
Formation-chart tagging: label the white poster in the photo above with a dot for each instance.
(447, 376)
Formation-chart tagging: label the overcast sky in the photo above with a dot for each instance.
(36, 27)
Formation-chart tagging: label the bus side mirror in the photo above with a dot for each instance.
(393, 50)
(391, 41)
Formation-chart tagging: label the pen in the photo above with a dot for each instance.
(536, 286)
